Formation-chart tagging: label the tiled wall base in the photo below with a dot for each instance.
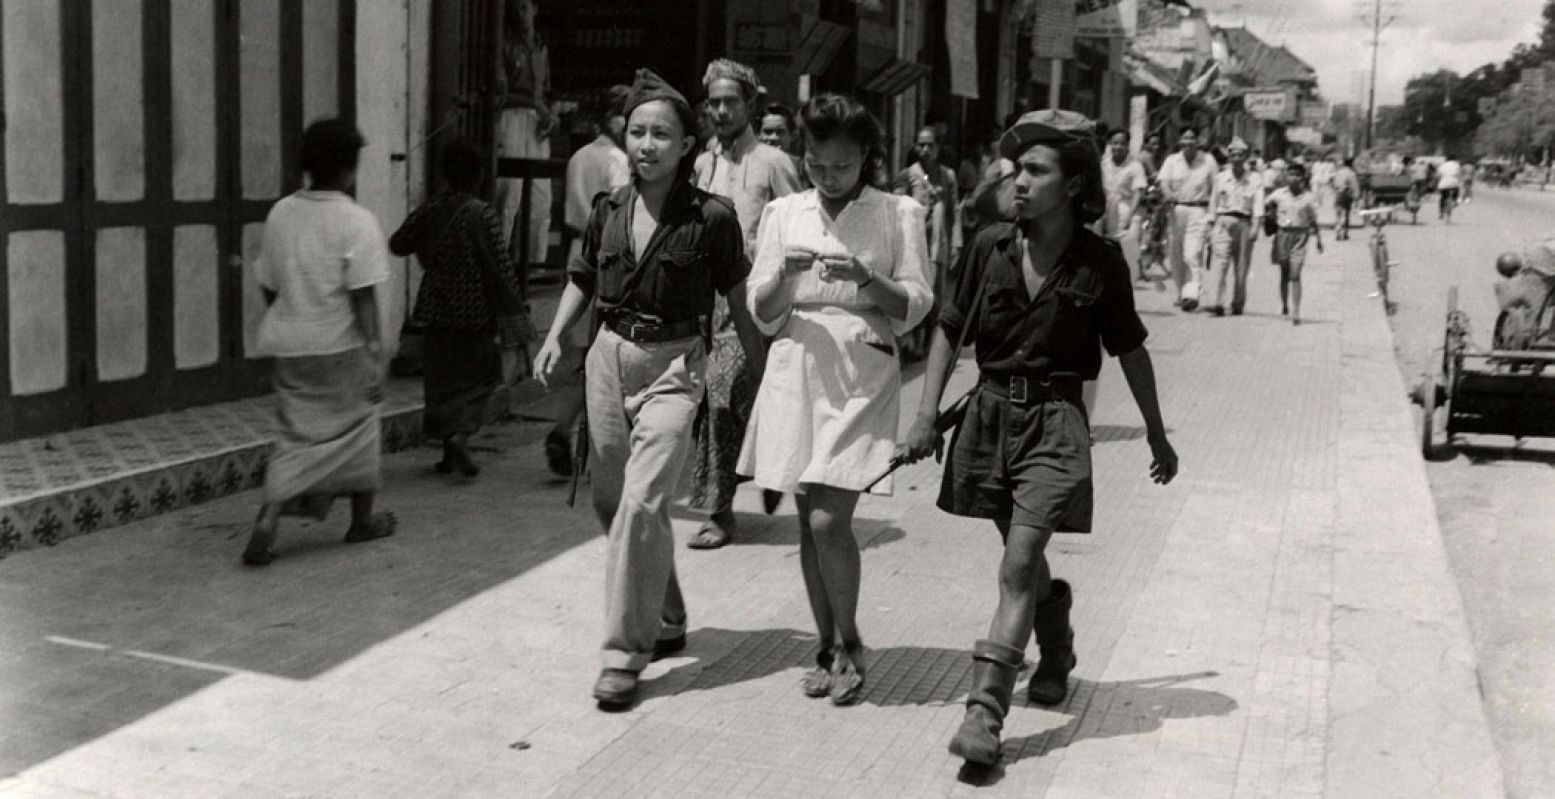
(55, 487)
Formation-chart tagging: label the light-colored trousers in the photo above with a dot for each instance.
(642, 403)
(1189, 237)
(1230, 251)
(517, 137)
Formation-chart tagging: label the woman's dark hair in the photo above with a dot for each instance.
(330, 148)
(831, 116)
(1079, 158)
(463, 163)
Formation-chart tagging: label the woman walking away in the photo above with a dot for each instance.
(469, 283)
(654, 253)
(1295, 212)
(321, 257)
(1042, 297)
(841, 272)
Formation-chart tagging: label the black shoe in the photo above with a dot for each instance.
(664, 647)
(1189, 306)
(615, 688)
(770, 500)
(558, 453)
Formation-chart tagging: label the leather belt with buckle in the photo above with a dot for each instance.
(1023, 390)
(653, 332)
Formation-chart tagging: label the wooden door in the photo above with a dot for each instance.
(145, 142)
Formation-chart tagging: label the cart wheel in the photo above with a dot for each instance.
(1428, 417)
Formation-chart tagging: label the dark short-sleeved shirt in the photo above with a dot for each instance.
(1086, 303)
(697, 252)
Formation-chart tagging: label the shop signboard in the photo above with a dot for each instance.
(1278, 105)
(1107, 18)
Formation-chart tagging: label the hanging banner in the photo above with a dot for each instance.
(1053, 29)
(1109, 19)
(961, 41)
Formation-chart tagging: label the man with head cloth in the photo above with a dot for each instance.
(750, 174)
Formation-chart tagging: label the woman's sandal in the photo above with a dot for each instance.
(816, 682)
(382, 525)
(847, 676)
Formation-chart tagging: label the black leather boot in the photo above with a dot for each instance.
(994, 670)
(1055, 639)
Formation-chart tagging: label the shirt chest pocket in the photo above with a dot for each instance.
(684, 281)
(1074, 314)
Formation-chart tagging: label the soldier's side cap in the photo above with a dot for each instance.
(1237, 144)
(1048, 126)
(649, 87)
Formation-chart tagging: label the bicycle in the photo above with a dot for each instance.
(1378, 218)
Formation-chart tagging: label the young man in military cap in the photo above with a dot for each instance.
(1043, 296)
(654, 255)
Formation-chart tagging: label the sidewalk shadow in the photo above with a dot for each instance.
(1483, 454)
(782, 530)
(1111, 710)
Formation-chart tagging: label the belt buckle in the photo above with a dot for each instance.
(634, 331)
(1018, 390)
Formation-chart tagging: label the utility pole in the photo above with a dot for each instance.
(1378, 24)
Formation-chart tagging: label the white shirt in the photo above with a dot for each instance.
(598, 166)
(750, 174)
(1449, 175)
(1188, 183)
(318, 247)
(1122, 183)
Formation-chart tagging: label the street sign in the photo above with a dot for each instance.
(1107, 18)
(1053, 30)
(1278, 105)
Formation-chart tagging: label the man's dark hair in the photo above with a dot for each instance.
(330, 148)
(1116, 132)
(1187, 129)
(831, 116)
(463, 163)
(1349, 162)
(778, 109)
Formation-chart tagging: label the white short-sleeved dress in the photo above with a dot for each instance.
(827, 410)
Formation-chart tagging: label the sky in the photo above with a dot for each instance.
(1425, 36)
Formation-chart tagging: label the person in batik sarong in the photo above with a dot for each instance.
(321, 262)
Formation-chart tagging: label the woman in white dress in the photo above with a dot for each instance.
(841, 270)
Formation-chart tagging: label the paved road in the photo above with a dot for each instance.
(1278, 622)
(1496, 503)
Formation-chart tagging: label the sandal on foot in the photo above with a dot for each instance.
(712, 536)
(382, 525)
(816, 682)
(847, 678)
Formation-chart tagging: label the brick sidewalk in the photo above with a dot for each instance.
(1277, 622)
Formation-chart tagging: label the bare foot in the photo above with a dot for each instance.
(381, 525)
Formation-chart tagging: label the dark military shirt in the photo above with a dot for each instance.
(1087, 302)
(697, 251)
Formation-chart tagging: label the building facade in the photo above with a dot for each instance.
(145, 142)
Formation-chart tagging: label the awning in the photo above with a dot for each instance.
(819, 41)
(895, 77)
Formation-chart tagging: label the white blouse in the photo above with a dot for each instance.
(883, 231)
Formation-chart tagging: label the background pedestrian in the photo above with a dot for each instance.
(321, 257)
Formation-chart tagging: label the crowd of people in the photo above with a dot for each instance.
(747, 310)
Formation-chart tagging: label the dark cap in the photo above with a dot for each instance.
(649, 87)
(1048, 126)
